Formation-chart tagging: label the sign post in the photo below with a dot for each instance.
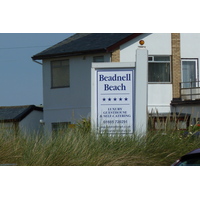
(141, 96)
(119, 95)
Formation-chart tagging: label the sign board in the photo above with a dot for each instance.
(115, 94)
(119, 96)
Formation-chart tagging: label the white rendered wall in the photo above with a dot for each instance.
(190, 47)
(159, 95)
(156, 43)
(69, 104)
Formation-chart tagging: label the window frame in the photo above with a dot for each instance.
(58, 128)
(196, 60)
(68, 66)
(97, 57)
(154, 61)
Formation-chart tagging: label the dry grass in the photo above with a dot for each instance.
(81, 147)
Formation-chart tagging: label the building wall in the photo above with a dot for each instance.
(31, 123)
(193, 110)
(159, 95)
(69, 104)
(190, 47)
(9, 127)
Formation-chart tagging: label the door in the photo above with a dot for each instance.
(189, 73)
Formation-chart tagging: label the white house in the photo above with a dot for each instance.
(173, 72)
(21, 119)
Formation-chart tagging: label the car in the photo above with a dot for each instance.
(190, 159)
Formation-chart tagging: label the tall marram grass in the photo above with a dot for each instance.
(82, 147)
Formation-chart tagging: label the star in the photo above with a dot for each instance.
(120, 99)
(104, 99)
(115, 99)
(109, 99)
(126, 99)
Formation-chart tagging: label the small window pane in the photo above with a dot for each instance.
(150, 58)
(65, 62)
(161, 58)
(189, 73)
(59, 128)
(98, 59)
(159, 72)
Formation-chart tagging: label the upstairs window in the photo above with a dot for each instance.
(60, 74)
(98, 59)
(159, 69)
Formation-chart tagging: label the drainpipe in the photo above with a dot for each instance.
(37, 62)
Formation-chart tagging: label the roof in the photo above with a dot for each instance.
(85, 43)
(16, 113)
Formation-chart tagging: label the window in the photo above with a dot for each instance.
(159, 69)
(60, 74)
(98, 59)
(59, 128)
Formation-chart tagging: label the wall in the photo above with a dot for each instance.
(190, 47)
(193, 110)
(9, 127)
(159, 95)
(69, 104)
(31, 123)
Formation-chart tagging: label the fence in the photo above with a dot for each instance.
(190, 90)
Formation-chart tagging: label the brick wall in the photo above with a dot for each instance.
(115, 57)
(176, 64)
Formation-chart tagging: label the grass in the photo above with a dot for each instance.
(81, 147)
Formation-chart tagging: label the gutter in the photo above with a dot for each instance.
(78, 53)
(37, 62)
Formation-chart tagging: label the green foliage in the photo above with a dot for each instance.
(79, 146)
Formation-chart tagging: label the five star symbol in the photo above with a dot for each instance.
(115, 99)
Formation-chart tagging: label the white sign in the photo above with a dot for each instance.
(119, 95)
(115, 100)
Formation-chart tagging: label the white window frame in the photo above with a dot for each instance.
(151, 59)
(99, 58)
(67, 75)
(196, 68)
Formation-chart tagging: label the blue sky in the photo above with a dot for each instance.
(20, 77)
